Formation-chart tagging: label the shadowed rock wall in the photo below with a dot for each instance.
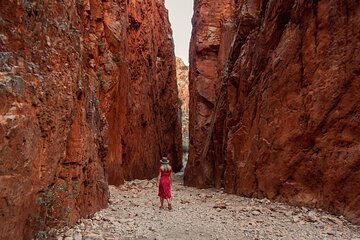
(285, 122)
(211, 26)
(72, 114)
(154, 127)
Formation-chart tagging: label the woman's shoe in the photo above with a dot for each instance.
(169, 206)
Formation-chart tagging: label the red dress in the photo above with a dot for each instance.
(164, 185)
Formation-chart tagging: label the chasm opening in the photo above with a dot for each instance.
(180, 14)
(182, 75)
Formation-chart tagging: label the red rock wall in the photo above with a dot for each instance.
(211, 21)
(72, 115)
(287, 110)
(154, 127)
(53, 134)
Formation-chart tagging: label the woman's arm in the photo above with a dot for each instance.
(171, 176)
(158, 179)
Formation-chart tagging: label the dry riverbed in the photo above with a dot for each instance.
(134, 213)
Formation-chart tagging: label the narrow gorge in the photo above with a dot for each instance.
(89, 98)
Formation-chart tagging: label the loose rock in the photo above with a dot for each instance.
(222, 216)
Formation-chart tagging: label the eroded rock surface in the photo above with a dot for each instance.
(284, 123)
(153, 125)
(53, 134)
(87, 91)
(211, 26)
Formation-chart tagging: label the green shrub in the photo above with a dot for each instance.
(185, 146)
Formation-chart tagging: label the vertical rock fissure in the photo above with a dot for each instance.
(315, 12)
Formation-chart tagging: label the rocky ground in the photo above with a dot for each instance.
(134, 213)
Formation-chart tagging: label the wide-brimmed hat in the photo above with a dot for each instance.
(164, 160)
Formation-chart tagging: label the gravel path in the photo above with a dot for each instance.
(133, 213)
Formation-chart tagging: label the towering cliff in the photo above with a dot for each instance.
(211, 38)
(87, 93)
(280, 117)
(152, 124)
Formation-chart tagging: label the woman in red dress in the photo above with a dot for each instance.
(164, 182)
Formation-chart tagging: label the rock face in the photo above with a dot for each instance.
(152, 126)
(212, 25)
(88, 95)
(284, 121)
(53, 134)
(182, 75)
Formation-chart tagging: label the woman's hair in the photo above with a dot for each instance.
(165, 167)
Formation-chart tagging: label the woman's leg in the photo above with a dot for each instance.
(169, 203)
(161, 202)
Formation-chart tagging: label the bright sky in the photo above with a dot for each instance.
(180, 14)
